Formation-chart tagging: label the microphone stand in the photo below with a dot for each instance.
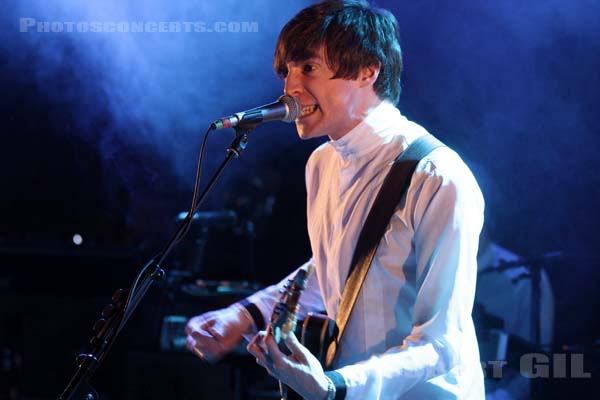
(116, 314)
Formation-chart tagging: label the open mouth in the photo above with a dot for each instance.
(308, 110)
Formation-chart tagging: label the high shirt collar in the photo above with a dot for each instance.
(370, 133)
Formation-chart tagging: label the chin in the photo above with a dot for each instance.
(306, 134)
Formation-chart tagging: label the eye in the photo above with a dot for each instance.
(282, 72)
(308, 68)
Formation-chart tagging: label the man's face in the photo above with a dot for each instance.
(329, 106)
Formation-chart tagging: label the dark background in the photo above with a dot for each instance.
(100, 135)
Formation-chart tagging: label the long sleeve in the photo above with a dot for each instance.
(410, 331)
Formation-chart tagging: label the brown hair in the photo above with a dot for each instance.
(354, 35)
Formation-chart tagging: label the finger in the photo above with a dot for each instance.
(190, 326)
(297, 349)
(204, 340)
(279, 357)
(209, 323)
(262, 357)
(258, 348)
(214, 333)
(254, 345)
(195, 324)
(271, 346)
(202, 336)
(190, 343)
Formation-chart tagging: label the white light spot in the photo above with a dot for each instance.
(77, 239)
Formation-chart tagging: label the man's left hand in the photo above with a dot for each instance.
(300, 370)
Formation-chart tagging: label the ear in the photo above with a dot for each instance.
(367, 76)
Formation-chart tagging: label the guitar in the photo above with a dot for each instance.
(316, 328)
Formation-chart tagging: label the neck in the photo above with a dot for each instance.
(359, 115)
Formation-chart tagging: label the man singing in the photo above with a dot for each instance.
(410, 334)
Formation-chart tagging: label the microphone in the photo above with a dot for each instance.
(285, 109)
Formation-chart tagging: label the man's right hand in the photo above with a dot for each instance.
(214, 334)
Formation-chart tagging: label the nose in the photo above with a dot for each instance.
(293, 82)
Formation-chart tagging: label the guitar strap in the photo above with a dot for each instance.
(393, 188)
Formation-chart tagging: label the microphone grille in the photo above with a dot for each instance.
(293, 107)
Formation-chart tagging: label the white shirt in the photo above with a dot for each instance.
(410, 334)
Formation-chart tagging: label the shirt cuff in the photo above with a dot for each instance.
(339, 383)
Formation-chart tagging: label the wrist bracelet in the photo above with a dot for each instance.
(330, 389)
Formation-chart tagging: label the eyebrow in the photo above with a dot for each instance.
(311, 59)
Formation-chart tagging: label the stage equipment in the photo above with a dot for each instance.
(124, 302)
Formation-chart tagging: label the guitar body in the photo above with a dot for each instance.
(316, 334)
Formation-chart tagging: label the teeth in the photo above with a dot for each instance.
(308, 110)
